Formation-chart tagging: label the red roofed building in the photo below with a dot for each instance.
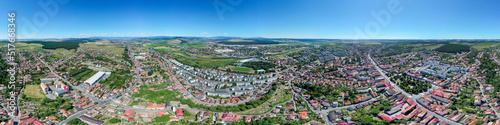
(129, 113)
(179, 113)
(227, 115)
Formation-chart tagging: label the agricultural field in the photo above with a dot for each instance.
(105, 45)
(485, 45)
(25, 46)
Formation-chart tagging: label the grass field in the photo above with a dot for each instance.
(61, 52)
(203, 63)
(241, 69)
(33, 91)
(159, 95)
(280, 96)
(24, 46)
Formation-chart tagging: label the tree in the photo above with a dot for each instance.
(479, 122)
(453, 107)
(76, 121)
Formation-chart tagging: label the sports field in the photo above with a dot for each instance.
(241, 69)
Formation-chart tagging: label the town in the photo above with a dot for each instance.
(152, 81)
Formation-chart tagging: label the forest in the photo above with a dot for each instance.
(453, 48)
(66, 44)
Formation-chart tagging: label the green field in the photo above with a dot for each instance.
(159, 95)
(33, 91)
(106, 46)
(241, 69)
(203, 63)
(485, 45)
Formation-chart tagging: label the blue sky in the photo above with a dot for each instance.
(336, 19)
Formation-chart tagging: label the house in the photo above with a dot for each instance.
(179, 113)
(303, 115)
(129, 113)
(65, 113)
(477, 100)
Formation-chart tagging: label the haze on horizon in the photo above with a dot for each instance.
(329, 19)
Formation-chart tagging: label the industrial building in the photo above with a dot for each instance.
(97, 77)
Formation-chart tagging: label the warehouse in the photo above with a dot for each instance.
(96, 77)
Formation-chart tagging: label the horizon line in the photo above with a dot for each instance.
(62, 38)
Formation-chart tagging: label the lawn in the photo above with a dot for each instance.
(241, 69)
(280, 96)
(33, 91)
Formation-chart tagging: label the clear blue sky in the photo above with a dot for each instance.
(337, 19)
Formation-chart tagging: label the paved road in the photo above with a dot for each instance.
(387, 78)
(412, 98)
(73, 86)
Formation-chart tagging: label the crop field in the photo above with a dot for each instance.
(484, 45)
(25, 46)
(106, 46)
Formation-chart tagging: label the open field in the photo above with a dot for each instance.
(33, 91)
(280, 96)
(280, 55)
(25, 46)
(159, 95)
(105, 45)
(484, 45)
(426, 46)
(61, 52)
(203, 63)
